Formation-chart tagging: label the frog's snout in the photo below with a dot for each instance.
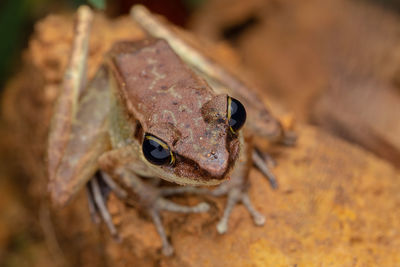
(216, 164)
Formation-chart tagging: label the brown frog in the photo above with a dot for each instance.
(155, 109)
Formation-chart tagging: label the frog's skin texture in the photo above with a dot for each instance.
(146, 88)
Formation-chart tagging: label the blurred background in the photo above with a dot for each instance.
(332, 64)
(17, 19)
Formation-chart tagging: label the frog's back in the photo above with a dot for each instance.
(155, 83)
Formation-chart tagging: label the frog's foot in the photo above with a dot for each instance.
(161, 204)
(151, 199)
(263, 161)
(236, 192)
(98, 189)
(260, 163)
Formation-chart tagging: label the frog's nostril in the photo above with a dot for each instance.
(212, 155)
(216, 164)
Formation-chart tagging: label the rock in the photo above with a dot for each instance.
(336, 204)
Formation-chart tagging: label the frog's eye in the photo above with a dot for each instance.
(236, 114)
(156, 151)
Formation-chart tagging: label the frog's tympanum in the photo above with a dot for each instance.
(150, 112)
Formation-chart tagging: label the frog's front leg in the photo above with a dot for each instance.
(125, 167)
(236, 190)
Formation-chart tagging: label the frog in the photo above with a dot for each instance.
(156, 110)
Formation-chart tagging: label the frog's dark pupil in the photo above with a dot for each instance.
(155, 153)
(238, 114)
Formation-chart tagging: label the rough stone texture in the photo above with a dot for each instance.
(337, 205)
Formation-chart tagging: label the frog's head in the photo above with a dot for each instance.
(189, 135)
(198, 145)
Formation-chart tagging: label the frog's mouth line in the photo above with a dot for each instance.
(189, 169)
(187, 172)
(199, 182)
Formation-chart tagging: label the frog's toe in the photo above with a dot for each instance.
(222, 227)
(258, 218)
(167, 249)
(97, 195)
(267, 158)
(236, 195)
(265, 170)
(233, 199)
